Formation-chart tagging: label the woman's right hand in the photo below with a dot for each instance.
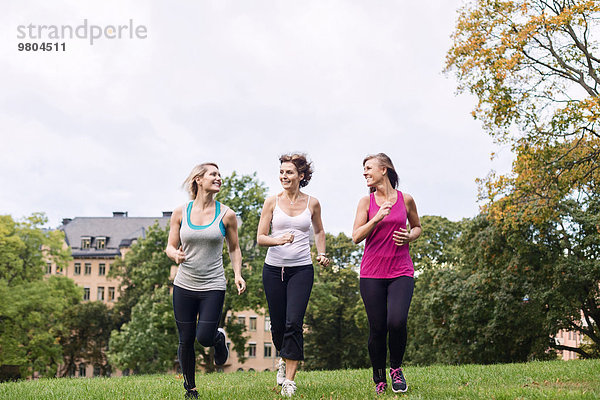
(286, 238)
(177, 255)
(384, 211)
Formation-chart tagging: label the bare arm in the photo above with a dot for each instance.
(173, 249)
(403, 236)
(362, 225)
(262, 235)
(233, 245)
(317, 224)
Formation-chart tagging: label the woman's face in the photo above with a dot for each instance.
(288, 175)
(373, 172)
(211, 180)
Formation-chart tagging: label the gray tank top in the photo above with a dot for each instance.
(203, 248)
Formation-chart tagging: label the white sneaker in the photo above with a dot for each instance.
(288, 388)
(280, 371)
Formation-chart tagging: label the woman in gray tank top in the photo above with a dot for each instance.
(198, 229)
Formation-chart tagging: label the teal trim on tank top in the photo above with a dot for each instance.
(222, 227)
(199, 227)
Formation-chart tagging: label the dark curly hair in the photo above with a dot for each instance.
(302, 165)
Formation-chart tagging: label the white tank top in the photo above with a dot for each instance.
(296, 253)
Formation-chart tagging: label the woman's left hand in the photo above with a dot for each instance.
(241, 284)
(401, 237)
(323, 260)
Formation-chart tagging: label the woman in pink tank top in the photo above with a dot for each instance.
(386, 270)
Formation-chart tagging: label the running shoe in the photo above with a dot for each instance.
(380, 388)
(190, 394)
(280, 371)
(288, 388)
(398, 381)
(221, 350)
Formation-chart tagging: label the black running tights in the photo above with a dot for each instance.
(387, 302)
(197, 314)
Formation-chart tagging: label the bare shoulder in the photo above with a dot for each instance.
(409, 201)
(270, 201)
(364, 201)
(177, 214)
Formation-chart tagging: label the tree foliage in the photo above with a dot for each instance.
(31, 323)
(87, 330)
(144, 268)
(535, 69)
(482, 308)
(25, 248)
(148, 342)
(337, 332)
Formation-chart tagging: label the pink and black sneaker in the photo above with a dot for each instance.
(398, 381)
(380, 388)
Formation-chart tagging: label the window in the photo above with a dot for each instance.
(88, 269)
(77, 268)
(111, 294)
(252, 350)
(252, 322)
(59, 270)
(100, 243)
(96, 370)
(82, 370)
(86, 242)
(86, 293)
(48, 268)
(242, 320)
(267, 324)
(101, 293)
(102, 270)
(268, 350)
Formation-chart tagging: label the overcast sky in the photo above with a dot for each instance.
(118, 125)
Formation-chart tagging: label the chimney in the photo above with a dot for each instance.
(119, 214)
(65, 221)
(167, 213)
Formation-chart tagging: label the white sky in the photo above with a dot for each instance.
(118, 125)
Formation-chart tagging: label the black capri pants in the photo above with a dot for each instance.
(287, 290)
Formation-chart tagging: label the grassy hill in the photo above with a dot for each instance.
(578, 379)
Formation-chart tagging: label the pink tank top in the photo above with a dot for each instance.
(382, 258)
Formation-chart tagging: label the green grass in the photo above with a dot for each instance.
(578, 379)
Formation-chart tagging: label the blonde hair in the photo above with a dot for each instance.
(190, 184)
(386, 162)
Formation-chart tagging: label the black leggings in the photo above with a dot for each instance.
(387, 302)
(288, 290)
(197, 314)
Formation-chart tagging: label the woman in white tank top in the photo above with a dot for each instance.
(288, 271)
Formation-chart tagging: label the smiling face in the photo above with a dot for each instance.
(288, 176)
(211, 180)
(373, 172)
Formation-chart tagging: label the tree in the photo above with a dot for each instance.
(337, 334)
(533, 66)
(25, 248)
(437, 245)
(31, 323)
(144, 268)
(483, 307)
(148, 342)
(87, 330)
(244, 194)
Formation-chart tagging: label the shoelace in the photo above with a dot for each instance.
(380, 388)
(396, 374)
